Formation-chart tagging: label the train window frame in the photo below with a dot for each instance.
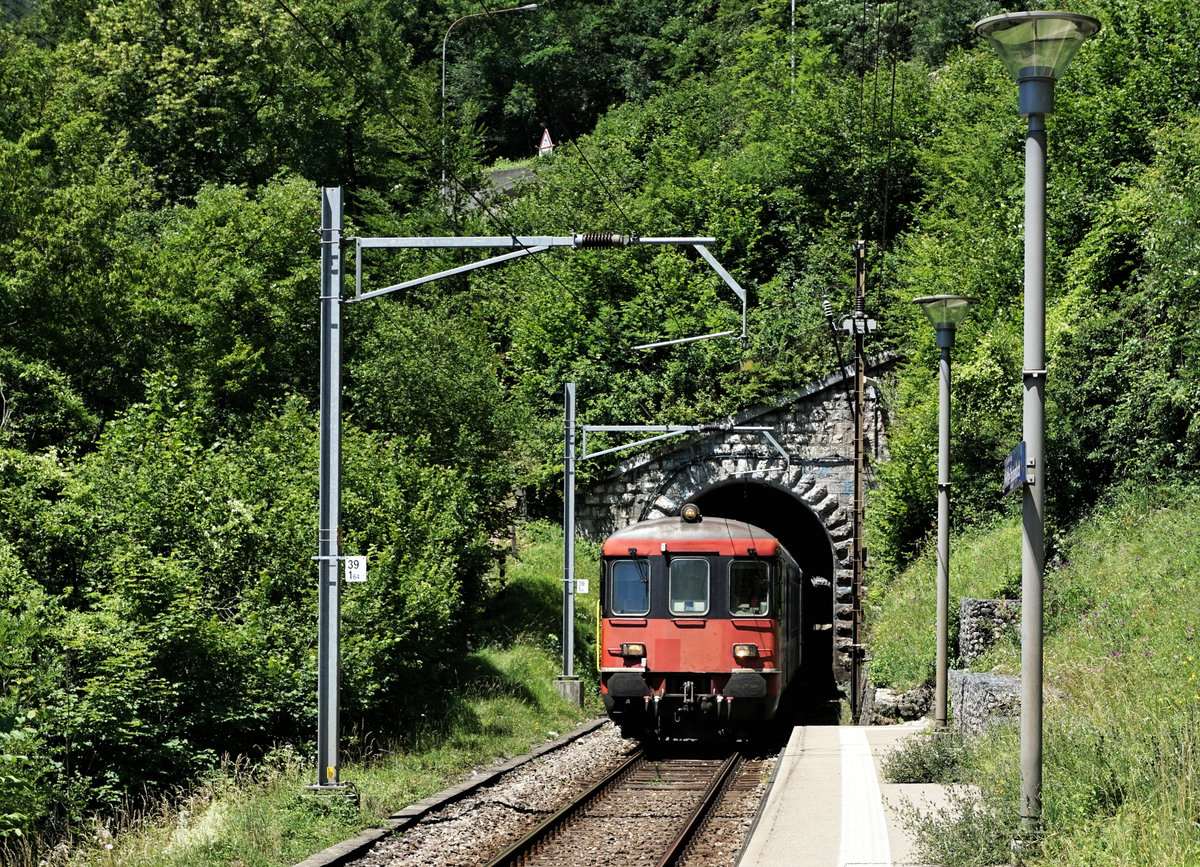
(766, 584)
(673, 602)
(643, 575)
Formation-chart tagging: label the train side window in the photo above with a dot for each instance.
(689, 586)
(749, 587)
(630, 587)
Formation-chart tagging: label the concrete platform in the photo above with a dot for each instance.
(828, 806)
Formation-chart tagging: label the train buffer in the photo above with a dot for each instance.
(829, 805)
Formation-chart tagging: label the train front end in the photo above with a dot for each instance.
(699, 630)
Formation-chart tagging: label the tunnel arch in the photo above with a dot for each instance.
(778, 511)
(797, 484)
(793, 522)
(807, 514)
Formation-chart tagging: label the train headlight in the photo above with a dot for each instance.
(745, 651)
(634, 649)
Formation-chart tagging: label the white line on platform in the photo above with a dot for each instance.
(864, 832)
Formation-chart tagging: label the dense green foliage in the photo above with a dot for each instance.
(1121, 271)
(159, 593)
(160, 164)
(257, 813)
(1120, 730)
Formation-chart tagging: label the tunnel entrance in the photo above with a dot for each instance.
(780, 513)
(789, 519)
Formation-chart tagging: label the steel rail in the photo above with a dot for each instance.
(515, 854)
(722, 777)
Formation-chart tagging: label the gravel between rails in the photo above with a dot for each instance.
(467, 832)
(723, 834)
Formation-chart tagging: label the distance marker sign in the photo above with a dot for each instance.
(355, 569)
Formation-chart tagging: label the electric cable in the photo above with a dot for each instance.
(862, 86)
(638, 361)
(627, 348)
(633, 229)
(416, 139)
(887, 163)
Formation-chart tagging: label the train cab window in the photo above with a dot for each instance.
(749, 587)
(630, 587)
(689, 586)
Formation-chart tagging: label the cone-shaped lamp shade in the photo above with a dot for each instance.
(945, 311)
(1037, 43)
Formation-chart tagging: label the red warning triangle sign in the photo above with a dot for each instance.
(546, 146)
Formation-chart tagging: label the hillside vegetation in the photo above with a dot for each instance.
(158, 290)
(1122, 688)
(245, 813)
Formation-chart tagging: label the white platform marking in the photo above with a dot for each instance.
(864, 832)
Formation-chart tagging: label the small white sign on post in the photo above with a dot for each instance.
(356, 569)
(581, 586)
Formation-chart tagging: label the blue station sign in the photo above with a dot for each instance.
(1014, 469)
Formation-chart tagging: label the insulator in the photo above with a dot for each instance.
(593, 240)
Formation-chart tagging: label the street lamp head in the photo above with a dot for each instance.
(1037, 43)
(944, 313)
(1036, 48)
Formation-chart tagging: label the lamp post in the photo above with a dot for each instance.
(944, 312)
(1036, 48)
(527, 7)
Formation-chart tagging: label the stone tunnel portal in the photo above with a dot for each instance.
(782, 514)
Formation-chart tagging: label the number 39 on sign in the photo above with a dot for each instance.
(355, 569)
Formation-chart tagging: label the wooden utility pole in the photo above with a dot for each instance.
(860, 326)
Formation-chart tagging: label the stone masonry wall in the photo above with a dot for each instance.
(981, 622)
(978, 699)
(815, 426)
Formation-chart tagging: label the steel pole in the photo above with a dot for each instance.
(1032, 514)
(945, 337)
(568, 625)
(329, 483)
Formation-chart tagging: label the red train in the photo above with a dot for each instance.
(700, 629)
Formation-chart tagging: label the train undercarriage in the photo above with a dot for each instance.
(690, 706)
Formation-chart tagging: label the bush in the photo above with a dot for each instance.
(929, 757)
(970, 831)
(175, 616)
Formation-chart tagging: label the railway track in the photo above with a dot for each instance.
(466, 825)
(648, 811)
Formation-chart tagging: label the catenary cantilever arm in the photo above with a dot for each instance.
(528, 245)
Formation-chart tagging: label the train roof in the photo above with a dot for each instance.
(708, 535)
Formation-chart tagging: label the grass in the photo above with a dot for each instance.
(261, 815)
(1121, 744)
(984, 564)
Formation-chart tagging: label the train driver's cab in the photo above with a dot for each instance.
(749, 588)
(631, 588)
